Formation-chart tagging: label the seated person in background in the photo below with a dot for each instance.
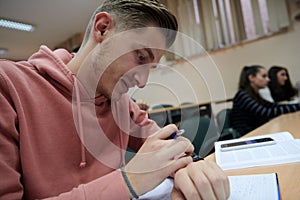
(280, 85)
(249, 110)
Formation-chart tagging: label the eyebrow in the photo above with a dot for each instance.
(149, 51)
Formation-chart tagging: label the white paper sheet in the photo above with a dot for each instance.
(250, 187)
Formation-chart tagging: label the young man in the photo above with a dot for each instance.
(66, 120)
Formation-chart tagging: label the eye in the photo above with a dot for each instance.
(140, 57)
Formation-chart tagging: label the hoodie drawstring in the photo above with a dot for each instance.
(83, 158)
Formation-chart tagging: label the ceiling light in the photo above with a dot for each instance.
(16, 25)
(3, 51)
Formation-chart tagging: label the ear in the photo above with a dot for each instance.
(102, 24)
(251, 78)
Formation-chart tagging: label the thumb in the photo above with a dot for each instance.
(180, 163)
(176, 194)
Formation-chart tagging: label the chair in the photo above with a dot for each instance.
(223, 122)
(189, 110)
(129, 154)
(162, 118)
(202, 132)
(185, 110)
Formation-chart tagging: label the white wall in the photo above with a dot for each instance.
(199, 80)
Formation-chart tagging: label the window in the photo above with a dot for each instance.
(217, 24)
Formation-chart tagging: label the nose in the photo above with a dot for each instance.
(141, 76)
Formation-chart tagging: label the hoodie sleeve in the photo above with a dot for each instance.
(98, 189)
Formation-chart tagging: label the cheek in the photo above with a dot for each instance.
(108, 80)
(264, 82)
(104, 85)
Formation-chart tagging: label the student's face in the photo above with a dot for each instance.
(260, 80)
(131, 68)
(281, 77)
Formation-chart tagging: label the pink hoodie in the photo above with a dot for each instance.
(40, 147)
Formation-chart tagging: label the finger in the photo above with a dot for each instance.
(227, 188)
(212, 180)
(184, 184)
(178, 147)
(165, 132)
(177, 195)
(202, 183)
(178, 164)
(222, 179)
(190, 148)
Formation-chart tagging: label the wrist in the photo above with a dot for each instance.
(132, 192)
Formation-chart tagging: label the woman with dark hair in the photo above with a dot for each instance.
(249, 109)
(280, 84)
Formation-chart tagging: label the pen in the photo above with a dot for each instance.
(175, 134)
(178, 133)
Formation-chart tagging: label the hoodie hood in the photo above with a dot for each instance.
(53, 66)
(59, 73)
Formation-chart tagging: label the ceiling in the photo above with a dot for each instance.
(55, 21)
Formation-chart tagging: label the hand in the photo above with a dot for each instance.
(200, 180)
(157, 159)
(143, 106)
